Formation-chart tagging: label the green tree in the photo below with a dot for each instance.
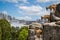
(6, 29)
(14, 33)
(23, 34)
(0, 34)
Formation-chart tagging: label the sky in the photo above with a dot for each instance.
(26, 9)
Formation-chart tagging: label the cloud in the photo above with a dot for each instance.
(33, 10)
(24, 18)
(30, 8)
(23, 1)
(4, 12)
(44, 1)
(14, 1)
(56, 2)
(26, 1)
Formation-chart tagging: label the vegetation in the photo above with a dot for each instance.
(7, 32)
(5, 29)
(23, 34)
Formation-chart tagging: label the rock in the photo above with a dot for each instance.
(51, 32)
(50, 24)
(36, 25)
(35, 31)
(36, 38)
(58, 23)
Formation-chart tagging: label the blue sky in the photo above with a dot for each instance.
(26, 9)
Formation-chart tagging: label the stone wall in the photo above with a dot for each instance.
(51, 32)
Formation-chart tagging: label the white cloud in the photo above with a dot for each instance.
(23, 1)
(48, 1)
(14, 1)
(4, 12)
(33, 10)
(30, 8)
(26, 1)
(42, 0)
(24, 18)
(56, 2)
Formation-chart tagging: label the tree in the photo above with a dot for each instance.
(6, 29)
(14, 33)
(0, 34)
(23, 33)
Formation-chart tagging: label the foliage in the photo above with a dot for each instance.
(14, 33)
(5, 29)
(0, 33)
(23, 34)
(7, 32)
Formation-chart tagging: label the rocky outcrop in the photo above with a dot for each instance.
(35, 31)
(51, 32)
